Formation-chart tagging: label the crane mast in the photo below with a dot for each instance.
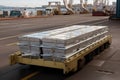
(98, 5)
(68, 5)
(83, 5)
(100, 8)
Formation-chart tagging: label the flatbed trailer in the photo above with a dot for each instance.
(73, 63)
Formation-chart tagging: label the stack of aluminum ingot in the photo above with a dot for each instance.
(60, 46)
(62, 43)
(30, 45)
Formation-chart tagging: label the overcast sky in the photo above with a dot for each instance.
(33, 3)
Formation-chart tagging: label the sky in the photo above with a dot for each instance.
(33, 3)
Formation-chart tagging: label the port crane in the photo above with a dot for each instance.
(53, 10)
(83, 5)
(100, 7)
(68, 5)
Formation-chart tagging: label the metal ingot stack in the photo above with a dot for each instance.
(59, 47)
(30, 44)
(58, 44)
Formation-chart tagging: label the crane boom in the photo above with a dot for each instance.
(83, 5)
(68, 6)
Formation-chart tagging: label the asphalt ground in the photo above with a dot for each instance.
(105, 66)
(11, 29)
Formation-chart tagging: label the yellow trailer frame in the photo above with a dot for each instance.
(70, 64)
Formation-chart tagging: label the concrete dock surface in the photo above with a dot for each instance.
(105, 66)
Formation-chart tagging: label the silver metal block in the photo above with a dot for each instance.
(60, 43)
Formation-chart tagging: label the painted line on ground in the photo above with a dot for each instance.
(8, 37)
(11, 44)
(29, 76)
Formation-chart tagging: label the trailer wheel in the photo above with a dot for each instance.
(81, 63)
(90, 56)
(108, 44)
(101, 48)
(97, 51)
(105, 46)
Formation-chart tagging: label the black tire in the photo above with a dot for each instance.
(81, 63)
(102, 48)
(108, 44)
(89, 57)
(97, 51)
